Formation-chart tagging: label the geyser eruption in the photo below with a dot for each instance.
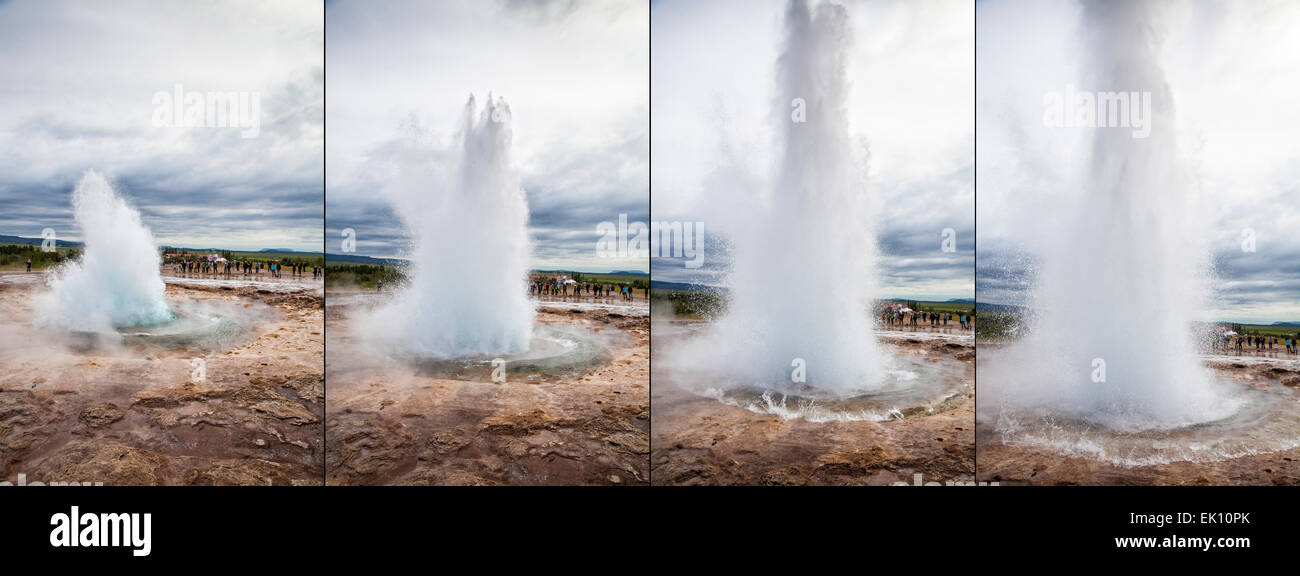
(1122, 280)
(801, 282)
(466, 292)
(116, 283)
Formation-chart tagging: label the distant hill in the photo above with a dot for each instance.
(23, 240)
(355, 259)
(950, 301)
(1293, 323)
(663, 285)
(611, 272)
(991, 307)
(210, 250)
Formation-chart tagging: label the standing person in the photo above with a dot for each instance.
(29, 263)
(379, 286)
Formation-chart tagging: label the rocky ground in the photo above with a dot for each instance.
(1013, 464)
(388, 423)
(137, 414)
(700, 441)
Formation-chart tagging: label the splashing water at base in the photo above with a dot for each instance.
(554, 350)
(802, 279)
(468, 216)
(910, 385)
(116, 283)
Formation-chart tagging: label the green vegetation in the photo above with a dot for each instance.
(1265, 330)
(14, 256)
(1006, 326)
(363, 276)
(283, 258)
(286, 258)
(366, 276)
(689, 303)
(967, 308)
(998, 325)
(637, 281)
(709, 303)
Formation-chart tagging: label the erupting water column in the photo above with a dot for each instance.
(116, 283)
(1121, 283)
(802, 279)
(467, 293)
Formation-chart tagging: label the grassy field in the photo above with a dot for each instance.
(363, 276)
(689, 303)
(1004, 326)
(14, 256)
(1266, 330)
(367, 276)
(998, 325)
(286, 258)
(638, 281)
(950, 307)
(707, 304)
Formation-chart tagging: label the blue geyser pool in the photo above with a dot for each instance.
(205, 326)
(553, 350)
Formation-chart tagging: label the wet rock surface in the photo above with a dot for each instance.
(700, 441)
(1017, 464)
(390, 424)
(136, 415)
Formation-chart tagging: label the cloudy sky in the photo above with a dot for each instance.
(77, 87)
(1233, 69)
(912, 75)
(575, 74)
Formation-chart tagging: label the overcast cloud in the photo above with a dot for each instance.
(574, 74)
(77, 82)
(1234, 72)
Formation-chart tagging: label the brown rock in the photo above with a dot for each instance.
(101, 415)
